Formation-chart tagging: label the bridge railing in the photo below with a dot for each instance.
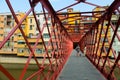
(59, 43)
(101, 43)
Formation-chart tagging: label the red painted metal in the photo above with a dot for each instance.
(12, 11)
(118, 36)
(118, 23)
(62, 43)
(93, 4)
(104, 40)
(89, 12)
(3, 70)
(98, 40)
(113, 67)
(51, 62)
(103, 62)
(69, 6)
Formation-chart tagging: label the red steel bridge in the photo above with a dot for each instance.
(87, 34)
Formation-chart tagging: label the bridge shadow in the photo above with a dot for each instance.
(79, 68)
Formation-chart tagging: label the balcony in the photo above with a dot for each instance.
(37, 55)
(20, 54)
(33, 40)
(5, 51)
(106, 44)
(21, 45)
(20, 38)
(38, 46)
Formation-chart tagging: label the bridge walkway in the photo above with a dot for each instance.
(79, 68)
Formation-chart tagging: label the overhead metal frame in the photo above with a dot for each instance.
(89, 41)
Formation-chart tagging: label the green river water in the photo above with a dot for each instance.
(16, 69)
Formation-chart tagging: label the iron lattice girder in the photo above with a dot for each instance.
(108, 11)
(114, 6)
(63, 13)
(94, 56)
(35, 1)
(78, 1)
(3, 70)
(46, 4)
(81, 0)
(51, 11)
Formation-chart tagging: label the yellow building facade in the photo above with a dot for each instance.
(21, 45)
(16, 44)
(6, 25)
(107, 40)
(29, 26)
(73, 20)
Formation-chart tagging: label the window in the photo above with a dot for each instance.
(49, 51)
(30, 35)
(21, 42)
(9, 44)
(9, 23)
(40, 43)
(102, 50)
(31, 27)
(46, 35)
(1, 34)
(106, 48)
(23, 26)
(76, 22)
(106, 24)
(49, 25)
(38, 51)
(37, 34)
(19, 35)
(102, 39)
(106, 40)
(38, 21)
(9, 16)
(30, 20)
(46, 43)
(114, 23)
(32, 43)
(12, 38)
(20, 50)
(38, 15)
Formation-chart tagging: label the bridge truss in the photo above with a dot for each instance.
(88, 38)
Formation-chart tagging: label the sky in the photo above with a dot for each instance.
(23, 5)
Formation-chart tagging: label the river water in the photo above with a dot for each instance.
(16, 69)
